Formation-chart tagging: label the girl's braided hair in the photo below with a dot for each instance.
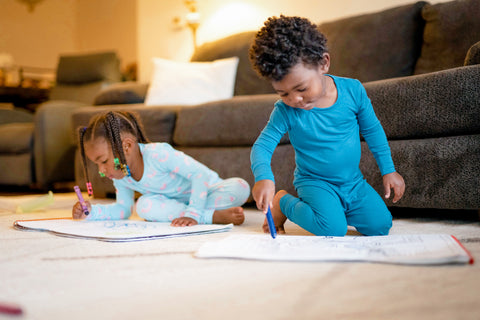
(282, 43)
(111, 125)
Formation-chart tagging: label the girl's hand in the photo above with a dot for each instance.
(263, 192)
(77, 212)
(184, 222)
(394, 181)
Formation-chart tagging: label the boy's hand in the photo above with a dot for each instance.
(394, 181)
(263, 192)
(77, 212)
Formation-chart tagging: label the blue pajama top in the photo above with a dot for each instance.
(326, 140)
(168, 172)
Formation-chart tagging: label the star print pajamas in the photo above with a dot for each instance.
(173, 185)
(332, 192)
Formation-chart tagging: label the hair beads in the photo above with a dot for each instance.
(89, 189)
(126, 170)
(116, 162)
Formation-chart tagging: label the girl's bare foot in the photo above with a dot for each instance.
(278, 217)
(231, 215)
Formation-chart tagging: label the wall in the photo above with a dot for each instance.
(107, 25)
(36, 38)
(160, 36)
(57, 27)
(142, 29)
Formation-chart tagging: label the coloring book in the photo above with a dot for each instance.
(116, 231)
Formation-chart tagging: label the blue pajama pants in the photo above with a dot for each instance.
(226, 194)
(326, 209)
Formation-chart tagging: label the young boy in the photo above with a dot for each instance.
(323, 115)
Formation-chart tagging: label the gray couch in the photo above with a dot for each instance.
(37, 148)
(420, 66)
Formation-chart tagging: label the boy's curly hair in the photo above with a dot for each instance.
(283, 42)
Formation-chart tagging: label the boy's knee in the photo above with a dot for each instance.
(382, 229)
(334, 231)
(377, 227)
(331, 229)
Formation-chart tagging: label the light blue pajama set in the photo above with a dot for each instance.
(332, 192)
(173, 185)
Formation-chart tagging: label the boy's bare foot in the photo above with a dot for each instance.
(278, 217)
(231, 215)
(183, 222)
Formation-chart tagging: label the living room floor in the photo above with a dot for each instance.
(51, 277)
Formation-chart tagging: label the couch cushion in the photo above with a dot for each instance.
(16, 138)
(122, 93)
(83, 68)
(438, 172)
(235, 162)
(376, 46)
(437, 104)
(158, 122)
(451, 29)
(237, 45)
(80, 93)
(234, 122)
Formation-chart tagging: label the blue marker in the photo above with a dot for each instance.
(271, 224)
(80, 199)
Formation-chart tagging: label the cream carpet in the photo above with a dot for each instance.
(51, 277)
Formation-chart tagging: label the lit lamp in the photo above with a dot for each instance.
(6, 64)
(31, 4)
(193, 18)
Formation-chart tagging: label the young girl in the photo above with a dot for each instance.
(323, 115)
(175, 187)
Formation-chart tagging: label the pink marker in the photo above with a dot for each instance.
(80, 198)
(10, 309)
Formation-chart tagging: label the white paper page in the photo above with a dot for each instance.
(120, 230)
(402, 249)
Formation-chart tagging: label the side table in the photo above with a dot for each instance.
(24, 97)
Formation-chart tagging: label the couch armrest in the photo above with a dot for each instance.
(54, 147)
(473, 55)
(436, 104)
(129, 92)
(15, 115)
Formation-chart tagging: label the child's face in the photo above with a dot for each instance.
(100, 152)
(303, 87)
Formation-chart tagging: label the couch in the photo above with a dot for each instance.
(420, 66)
(37, 148)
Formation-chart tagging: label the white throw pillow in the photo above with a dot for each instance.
(190, 83)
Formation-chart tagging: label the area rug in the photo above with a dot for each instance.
(52, 277)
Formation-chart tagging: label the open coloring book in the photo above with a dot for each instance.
(116, 231)
(398, 249)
